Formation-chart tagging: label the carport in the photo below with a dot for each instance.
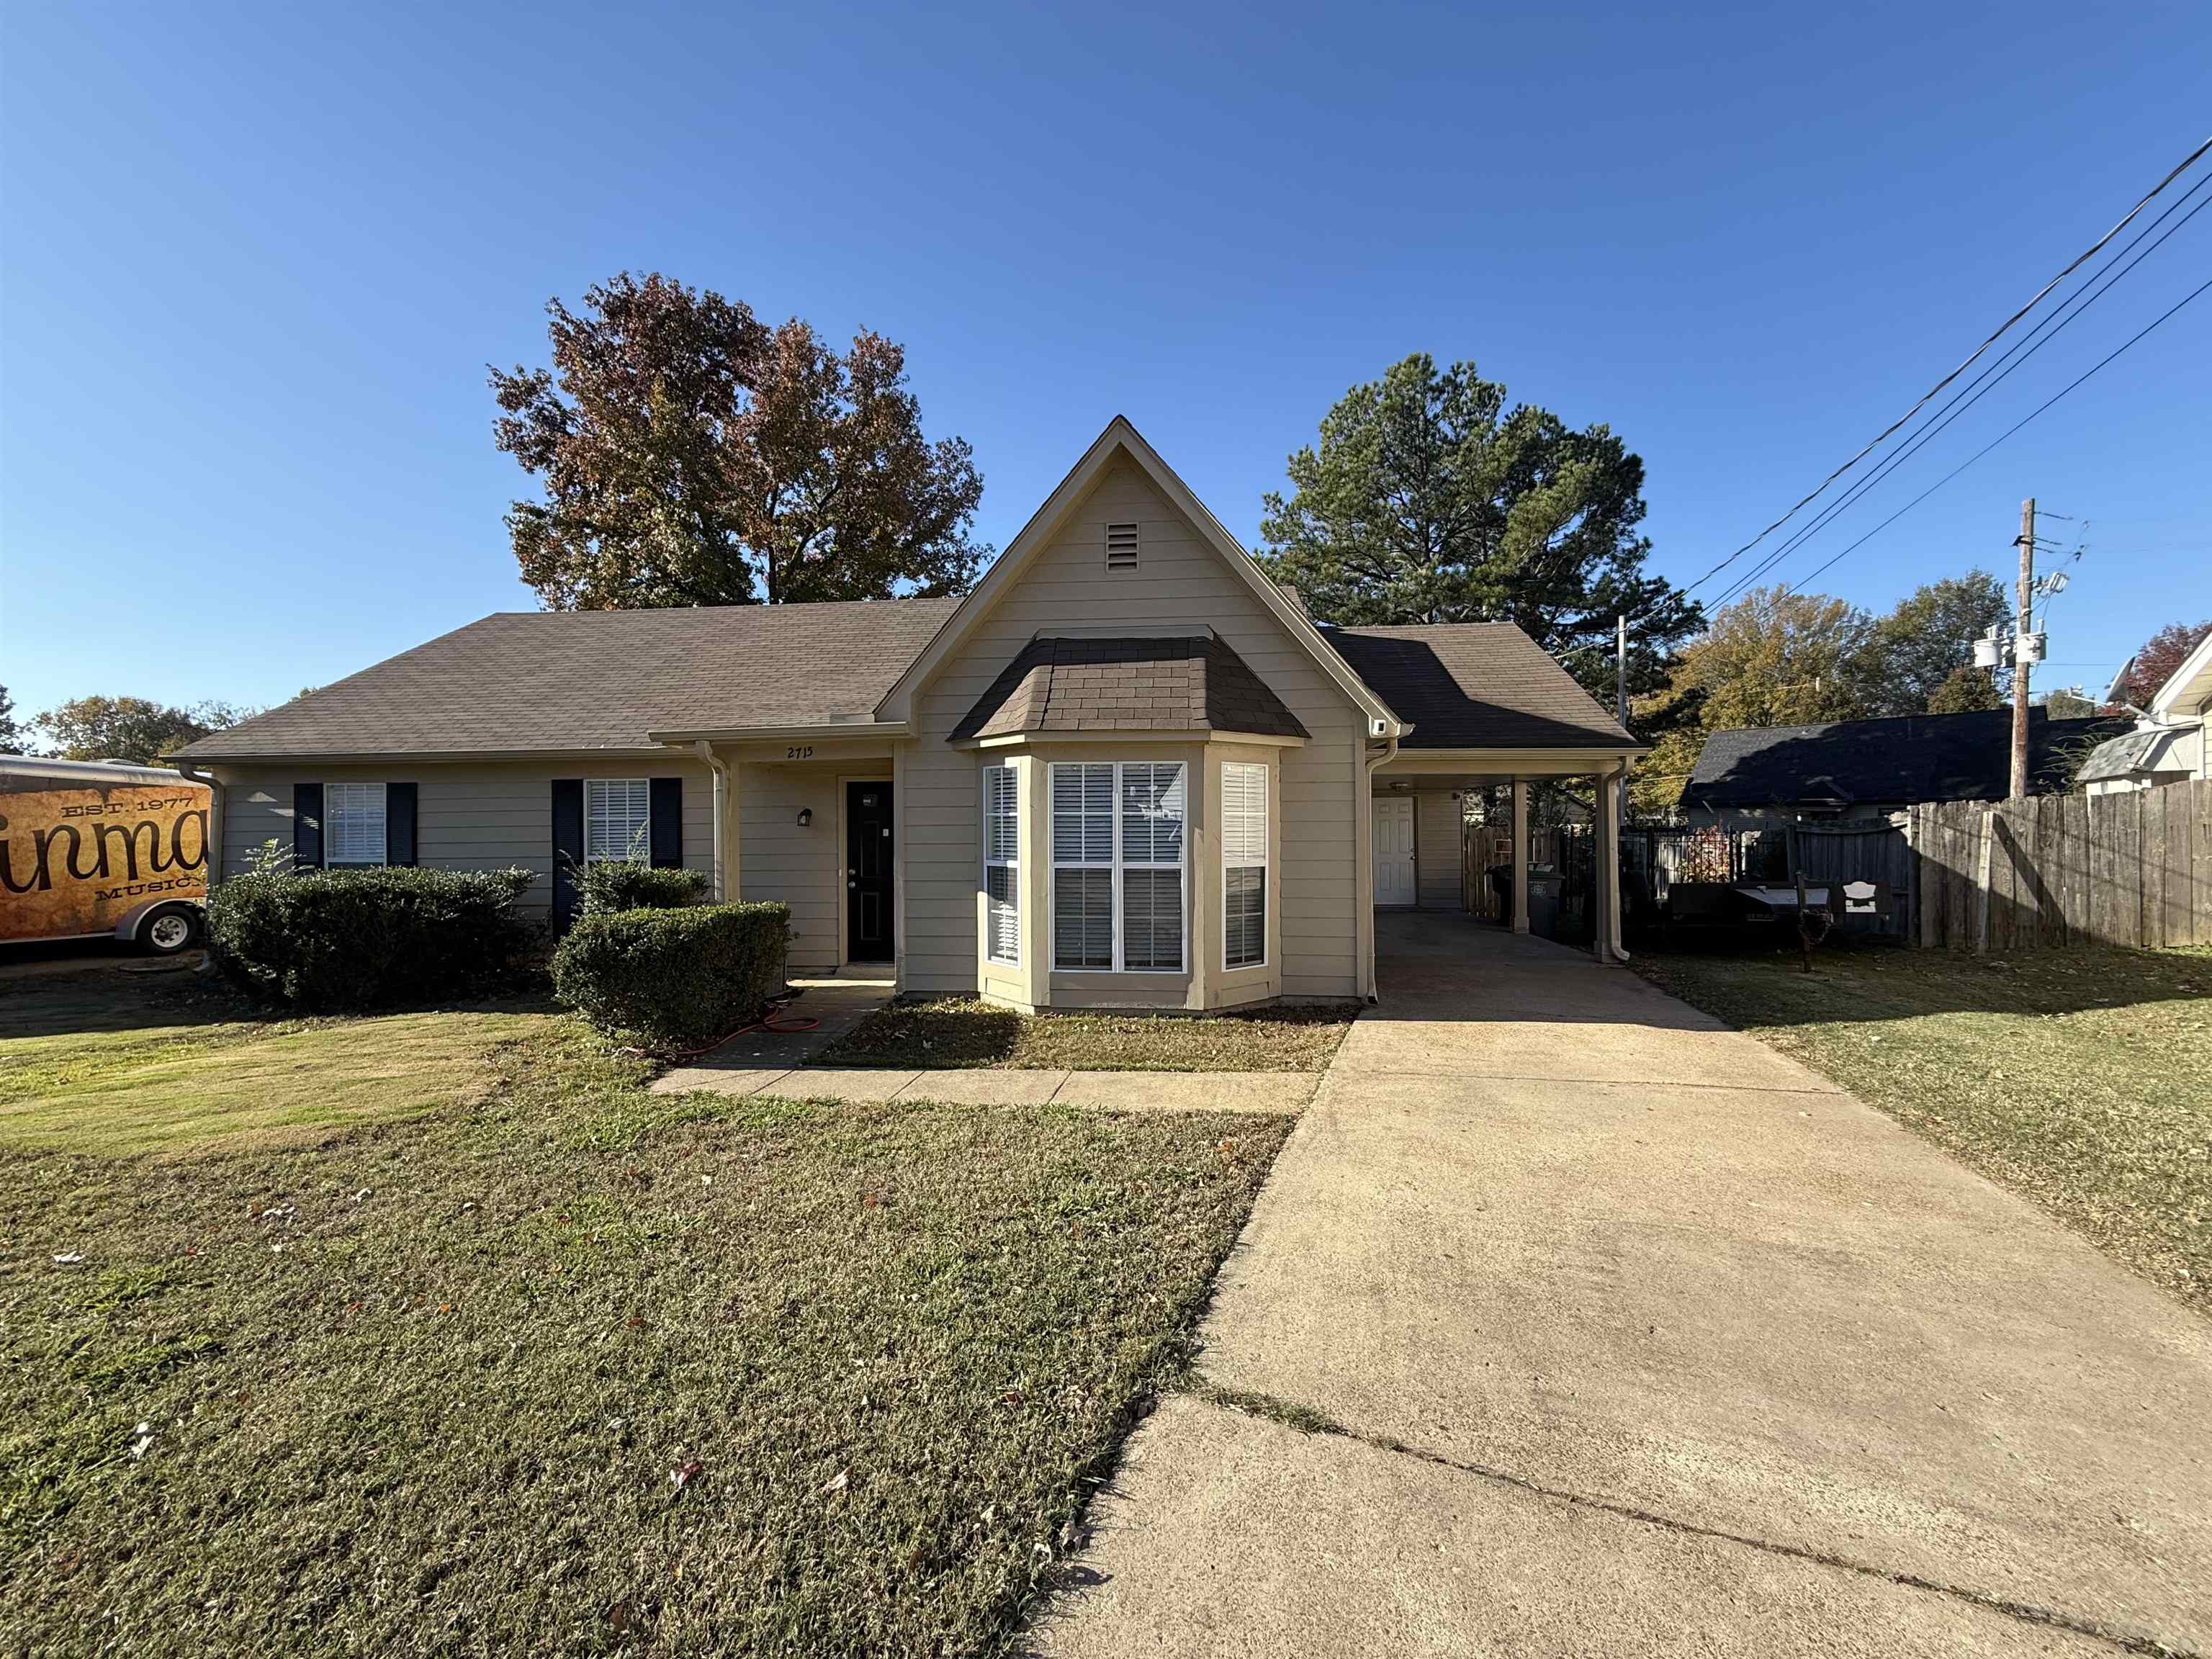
(1488, 708)
(1419, 793)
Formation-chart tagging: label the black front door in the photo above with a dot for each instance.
(868, 873)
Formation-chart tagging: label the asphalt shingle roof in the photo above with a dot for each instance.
(1192, 683)
(1476, 685)
(522, 681)
(1906, 758)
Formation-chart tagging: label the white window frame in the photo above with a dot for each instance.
(639, 851)
(1006, 806)
(1117, 864)
(1265, 865)
(335, 797)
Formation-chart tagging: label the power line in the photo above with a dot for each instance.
(2007, 432)
(1921, 403)
(1975, 390)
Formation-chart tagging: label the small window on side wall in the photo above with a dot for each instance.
(1002, 875)
(353, 824)
(1244, 864)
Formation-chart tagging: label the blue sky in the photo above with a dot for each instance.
(254, 260)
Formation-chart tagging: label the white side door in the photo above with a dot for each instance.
(1394, 851)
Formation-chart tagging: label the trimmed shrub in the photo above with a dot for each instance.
(622, 885)
(328, 939)
(673, 978)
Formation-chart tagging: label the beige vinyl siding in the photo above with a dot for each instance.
(1437, 852)
(804, 868)
(1179, 580)
(490, 815)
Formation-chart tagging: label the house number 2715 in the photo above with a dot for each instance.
(800, 751)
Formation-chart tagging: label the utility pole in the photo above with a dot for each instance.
(2019, 649)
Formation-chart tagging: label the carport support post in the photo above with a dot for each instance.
(1607, 897)
(1520, 855)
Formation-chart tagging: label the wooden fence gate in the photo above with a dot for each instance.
(2132, 869)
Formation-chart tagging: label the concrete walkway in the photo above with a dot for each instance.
(1637, 1337)
(774, 1063)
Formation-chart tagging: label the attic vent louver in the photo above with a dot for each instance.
(1120, 547)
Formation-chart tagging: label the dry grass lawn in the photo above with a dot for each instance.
(967, 1032)
(511, 1355)
(2081, 1078)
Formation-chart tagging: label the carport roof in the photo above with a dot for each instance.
(1476, 685)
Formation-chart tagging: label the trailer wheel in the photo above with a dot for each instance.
(173, 928)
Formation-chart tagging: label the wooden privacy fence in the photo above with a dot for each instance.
(2132, 869)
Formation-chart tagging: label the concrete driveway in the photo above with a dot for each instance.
(1572, 1322)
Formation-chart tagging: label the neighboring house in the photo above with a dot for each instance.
(1844, 769)
(2168, 744)
(1126, 771)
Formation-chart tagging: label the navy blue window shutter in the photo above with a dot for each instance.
(307, 826)
(567, 847)
(399, 823)
(665, 804)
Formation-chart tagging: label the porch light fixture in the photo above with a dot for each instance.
(805, 817)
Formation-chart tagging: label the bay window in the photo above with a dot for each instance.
(1002, 873)
(1118, 883)
(1244, 864)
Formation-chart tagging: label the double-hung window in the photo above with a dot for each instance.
(1244, 864)
(1118, 881)
(617, 820)
(353, 824)
(1002, 865)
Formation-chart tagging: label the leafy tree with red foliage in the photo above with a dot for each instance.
(691, 455)
(2160, 655)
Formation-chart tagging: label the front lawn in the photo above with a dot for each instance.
(964, 1033)
(555, 1364)
(2081, 1078)
(191, 1068)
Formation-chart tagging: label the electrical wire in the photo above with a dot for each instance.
(1798, 586)
(2079, 259)
(1981, 386)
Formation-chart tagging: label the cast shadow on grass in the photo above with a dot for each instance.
(964, 1034)
(96, 1001)
(1854, 982)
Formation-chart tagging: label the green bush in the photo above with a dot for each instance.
(673, 978)
(326, 939)
(622, 885)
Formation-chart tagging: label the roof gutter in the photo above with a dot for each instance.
(691, 736)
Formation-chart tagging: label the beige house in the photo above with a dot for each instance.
(2169, 744)
(1126, 771)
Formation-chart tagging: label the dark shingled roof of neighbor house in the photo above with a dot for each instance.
(1899, 760)
(1476, 685)
(532, 681)
(1185, 684)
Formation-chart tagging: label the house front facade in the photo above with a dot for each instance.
(1126, 771)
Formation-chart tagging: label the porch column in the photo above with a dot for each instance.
(1607, 896)
(1520, 856)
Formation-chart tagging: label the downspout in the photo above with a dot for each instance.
(1374, 761)
(720, 768)
(215, 819)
